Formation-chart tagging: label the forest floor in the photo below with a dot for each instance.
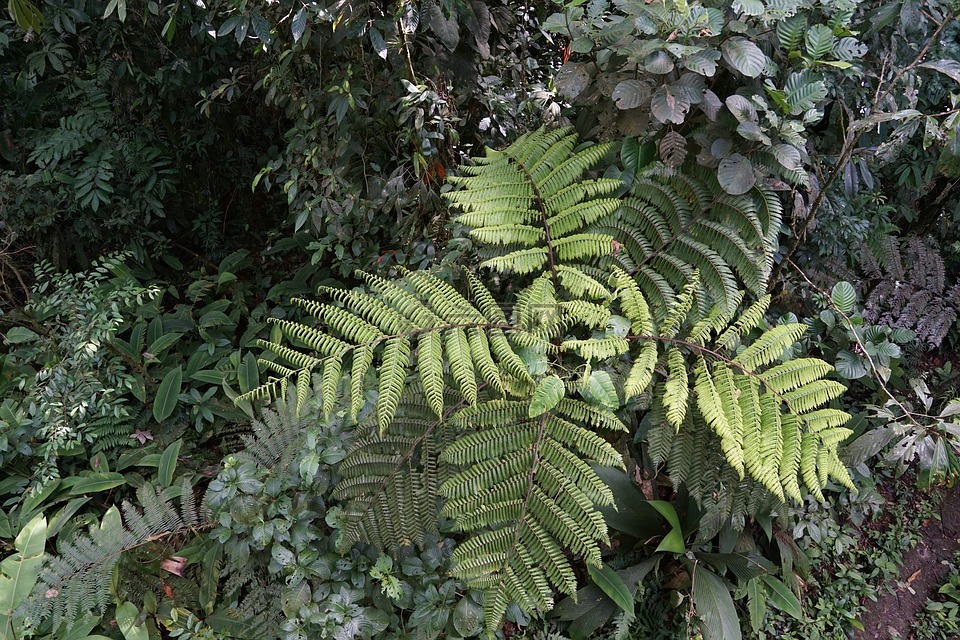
(893, 614)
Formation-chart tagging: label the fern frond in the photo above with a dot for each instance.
(527, 493)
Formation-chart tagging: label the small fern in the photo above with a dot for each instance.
(79, 581)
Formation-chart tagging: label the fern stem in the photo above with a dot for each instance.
(539, 204)
(531, 480)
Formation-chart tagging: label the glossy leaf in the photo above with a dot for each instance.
(167, 393)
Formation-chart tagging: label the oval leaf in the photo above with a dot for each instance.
(166, 400)
(844, 295)
(736, 174)
(744, 56)
(630, 94)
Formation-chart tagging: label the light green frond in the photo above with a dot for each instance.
(329, 383)
(461, 364)
(580, 284)
(314, 338)
(509, 234)
(580, 215)
(680, 310)
(581, 412)
(706, 327)
(749, 319)
(813, 395)
(583, 246)
(362, 359)
(484, 300)
(770, 345)
(430, 368)
(795, 373)
(371, 309)
(413, 309)
(393, 374)
(480, 352)
(347, 324)
(520, 262)
(676, 388)
(823, 419)
(298, 359)
(597, 348)
(641, 373)
(632, 302)
(583, 313)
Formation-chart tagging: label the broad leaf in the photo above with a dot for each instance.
(636, 156)
(949, 68)
(21, 570)
(744, 56)
(818, 41)
(844, 295)
(714, 606)
(673, 541)
(127, 622)
(736, 174)
(630, 94)
(668, 104)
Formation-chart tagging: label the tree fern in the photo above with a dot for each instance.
(475, 413)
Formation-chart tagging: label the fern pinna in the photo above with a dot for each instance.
(501, 420)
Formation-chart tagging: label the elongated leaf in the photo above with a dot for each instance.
(127, 622)
(169, 389)
(97, 482)
(248, 375)
(612, 585)
(782, 598)
(756, 604)
(21, 570)
(714, 605)
(168, 463)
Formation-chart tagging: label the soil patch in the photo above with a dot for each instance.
(923, 571)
